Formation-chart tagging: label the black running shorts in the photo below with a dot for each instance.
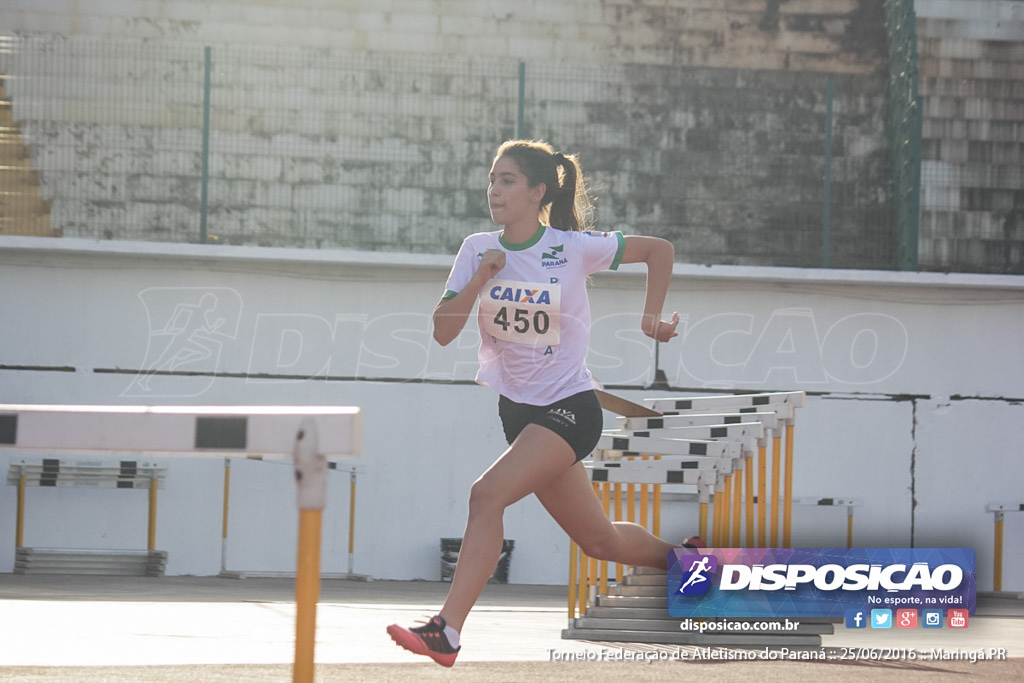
(577, 419)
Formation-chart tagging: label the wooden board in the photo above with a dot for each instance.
(620, 406)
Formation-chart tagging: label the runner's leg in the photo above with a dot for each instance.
(536, 457)
(569, 498)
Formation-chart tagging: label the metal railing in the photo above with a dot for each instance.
(905, 122)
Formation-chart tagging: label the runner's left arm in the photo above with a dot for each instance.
(659, 255)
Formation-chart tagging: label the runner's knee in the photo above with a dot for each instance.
(485, 495)
(601, 546)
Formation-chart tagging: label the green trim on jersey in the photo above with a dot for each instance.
(617, 261)
(511, 246)
(449, 294)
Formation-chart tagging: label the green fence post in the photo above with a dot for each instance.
(206, 146)
(905, 121)
(520, 121)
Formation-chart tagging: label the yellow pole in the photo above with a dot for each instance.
(644, 501)
(581, 594)
(618, 517)
(630, 502)
(592, 576)
(307, 593)
(997, 570)
(716, 519)
(656, 513)
(787, 511)
(351, 520)
(606, 490)
(737, 512)
(726, 511)
(227, 495)
(762, 496)
(776, 465)
(311, 480)
(151, 545)
(19, 534)
(702, 522)
(749, 501)
(574, 552)
(224, 517)
(849, 526)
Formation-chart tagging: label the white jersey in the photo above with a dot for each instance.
(534, 315)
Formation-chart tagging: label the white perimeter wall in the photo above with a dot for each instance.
(915, 382)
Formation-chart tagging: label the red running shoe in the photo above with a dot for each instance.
(694, 542)
(428, 640)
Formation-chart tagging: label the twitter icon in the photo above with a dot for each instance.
(881, 618)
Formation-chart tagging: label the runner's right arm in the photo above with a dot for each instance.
(451, 314)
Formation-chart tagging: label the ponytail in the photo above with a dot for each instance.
(566, 204)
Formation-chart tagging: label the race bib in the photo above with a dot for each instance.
(522, 312)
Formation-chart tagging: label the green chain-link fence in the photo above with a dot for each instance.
(307, 147)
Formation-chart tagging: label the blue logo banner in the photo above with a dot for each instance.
(818, 582)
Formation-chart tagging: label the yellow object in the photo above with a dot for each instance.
(151, 545)
(307, 593)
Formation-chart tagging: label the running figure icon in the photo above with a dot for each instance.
(697, 571)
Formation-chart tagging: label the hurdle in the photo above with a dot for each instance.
(999, 511)
(851, 504)
(710, 443)
(785, 404)
(308, 436)
(87, 473)
(717, 447)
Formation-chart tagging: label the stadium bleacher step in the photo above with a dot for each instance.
(88, 561)
(634, 610)
(23, 211)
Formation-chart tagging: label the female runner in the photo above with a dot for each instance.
(534, 317)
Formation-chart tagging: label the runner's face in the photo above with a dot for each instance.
(509, 195)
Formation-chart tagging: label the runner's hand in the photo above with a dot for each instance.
(491, 261)
(658, 329)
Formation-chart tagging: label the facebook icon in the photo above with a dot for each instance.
(855, 618)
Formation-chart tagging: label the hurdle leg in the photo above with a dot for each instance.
(737, 510)
(617, 495)
(630, 502)
(19, 528)
(762, 496)
(351, 521)
(717, 516)
(644, 501)
(584, 582)
(574, 551)
(749, 501)
(656, 511)
(997, 559)
(307, 592)
(606, 506)
(703, 498)
(776, 466)
(787, 509)
(849, 526)
(151, 541)
(311, 477)
(726, 511)
(224, 517)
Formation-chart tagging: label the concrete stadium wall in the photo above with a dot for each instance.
(739, 134)
(914, 403)
(810, 35)
(362, 124)
(971, 57)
